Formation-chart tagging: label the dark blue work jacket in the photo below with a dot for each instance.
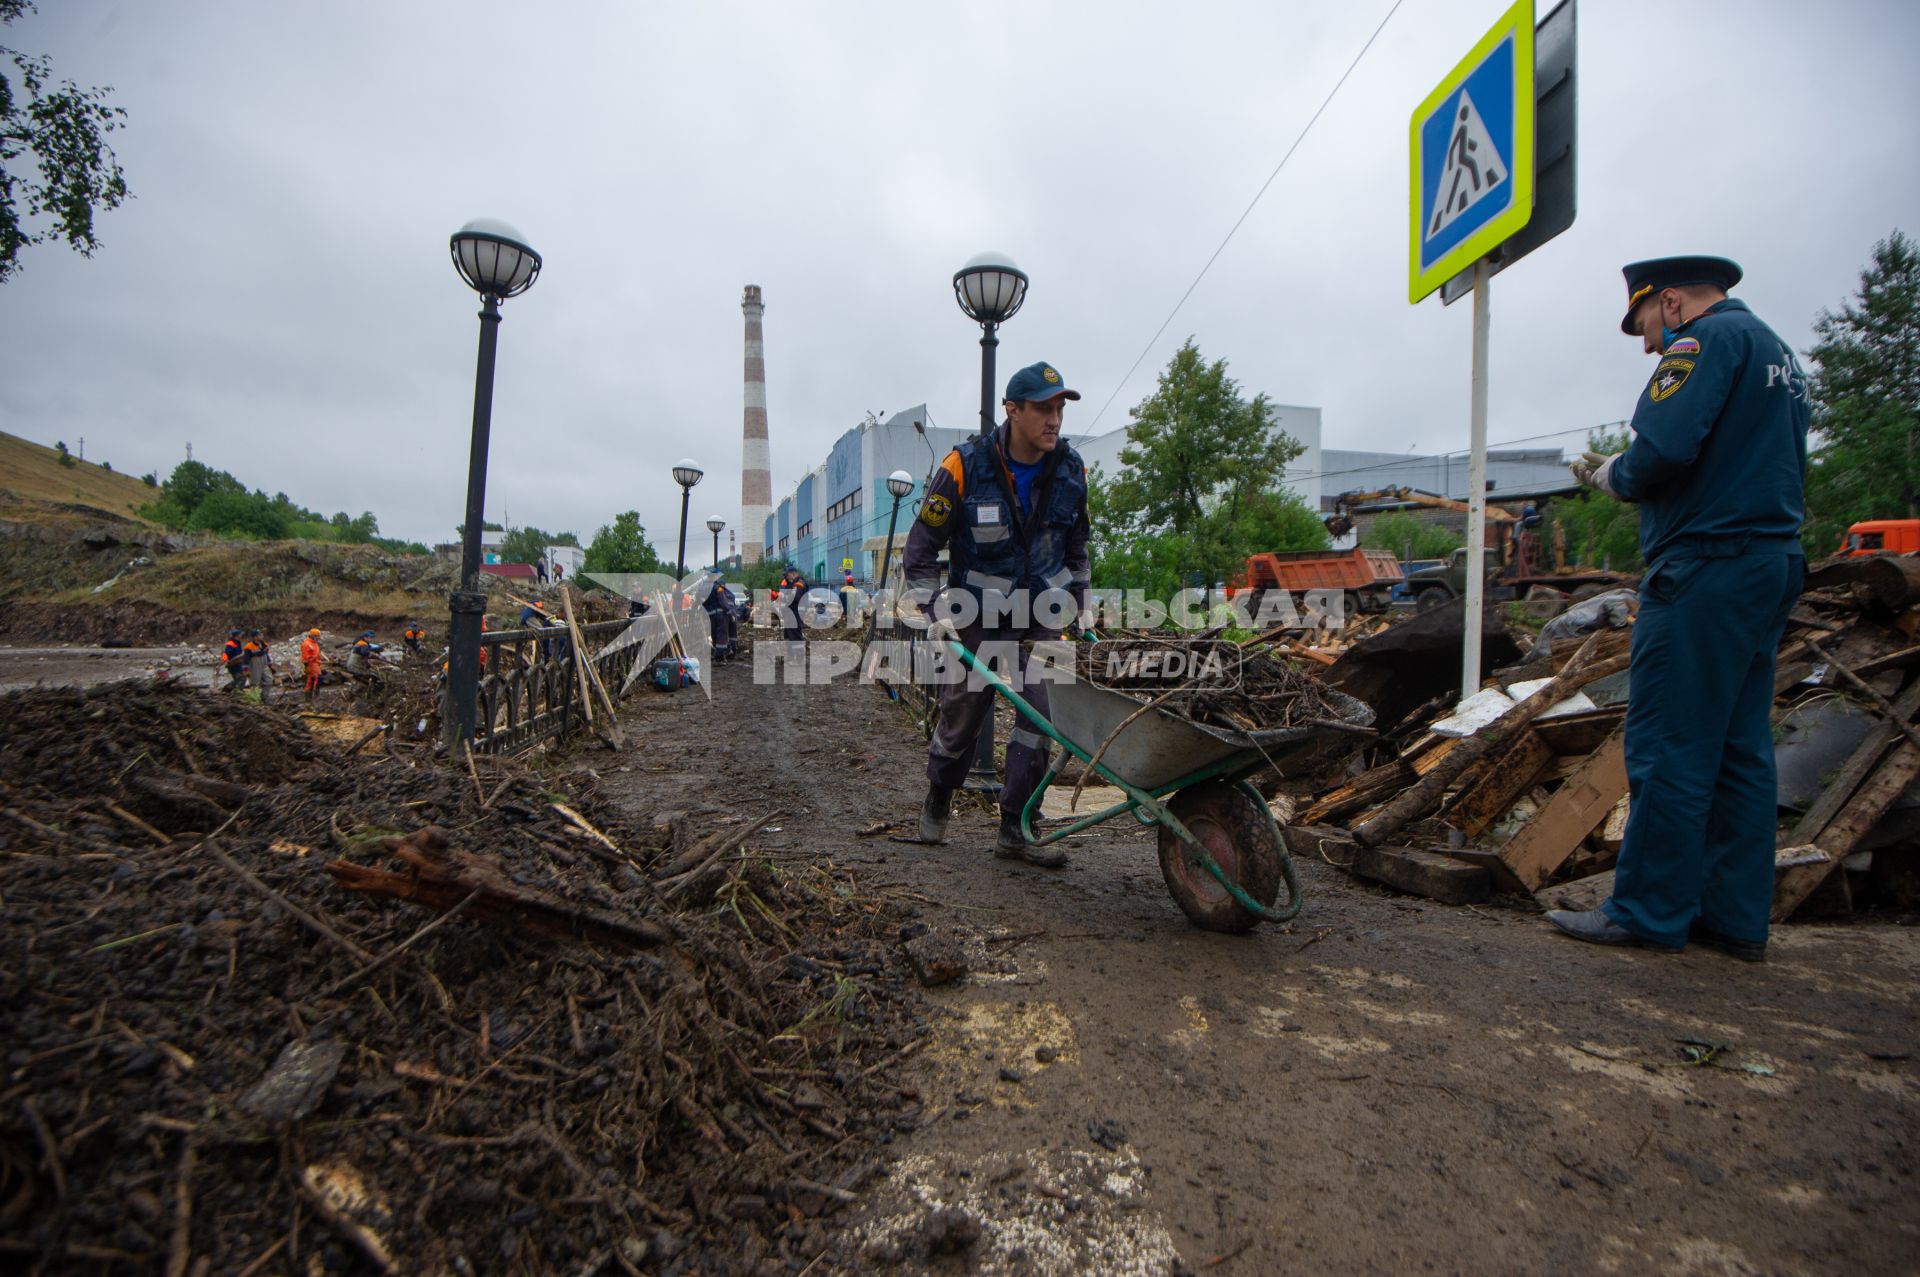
(995, 546)
(1719, 456)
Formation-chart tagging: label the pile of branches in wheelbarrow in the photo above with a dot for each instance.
(1207, 680)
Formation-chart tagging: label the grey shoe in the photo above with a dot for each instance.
(935, 812)
(1745, 950)
(1595, 927)
(1011, 844)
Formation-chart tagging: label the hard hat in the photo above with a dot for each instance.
(314, 632)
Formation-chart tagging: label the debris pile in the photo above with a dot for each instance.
(532, 1037)
(1243, 691)
(1522, 788)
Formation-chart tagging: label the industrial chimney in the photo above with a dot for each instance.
(756, 463)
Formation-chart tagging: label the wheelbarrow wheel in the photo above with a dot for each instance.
(1237, 834)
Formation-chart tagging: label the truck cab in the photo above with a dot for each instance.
(1881, 536)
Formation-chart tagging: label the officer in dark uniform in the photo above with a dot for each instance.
(719, 609)
(1717, 466)
(1011, 512)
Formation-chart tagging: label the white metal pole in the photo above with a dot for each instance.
(1476, 490)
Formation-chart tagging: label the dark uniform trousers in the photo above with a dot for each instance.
(965, 704)
(1699, 744)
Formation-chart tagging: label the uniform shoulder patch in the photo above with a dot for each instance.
(936, 511)
(1668, 378)
(1684, 346)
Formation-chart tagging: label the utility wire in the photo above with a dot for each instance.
(1328, 101)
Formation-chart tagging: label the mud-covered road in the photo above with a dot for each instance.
(1386, 1085)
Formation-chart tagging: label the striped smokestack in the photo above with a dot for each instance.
(756, 463)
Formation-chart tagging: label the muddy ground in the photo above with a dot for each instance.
(1385, 1085)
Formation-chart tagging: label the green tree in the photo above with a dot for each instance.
(1409, 537)
(529, 545)
(1600, 531)
(61, 129)
(66, 457)
(1865, 384)
(1203, 484)
(622, 547)
(242, 514)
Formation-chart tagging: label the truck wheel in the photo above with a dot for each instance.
(1427, 600)
(1237, 835)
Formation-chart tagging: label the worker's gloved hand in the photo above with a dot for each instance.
(1595, 469)
(942, 629)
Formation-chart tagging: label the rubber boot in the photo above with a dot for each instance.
(935, 812)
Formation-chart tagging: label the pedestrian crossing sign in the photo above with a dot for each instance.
(1472, 155)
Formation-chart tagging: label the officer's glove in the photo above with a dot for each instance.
(1595, 469)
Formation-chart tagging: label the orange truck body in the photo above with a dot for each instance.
(1882, 536)
(1320, 570)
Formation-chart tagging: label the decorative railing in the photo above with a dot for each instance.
(531, 691)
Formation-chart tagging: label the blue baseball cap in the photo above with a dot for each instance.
(1648, 277)
(1037, 383)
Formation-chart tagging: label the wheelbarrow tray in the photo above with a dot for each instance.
(1158, 747)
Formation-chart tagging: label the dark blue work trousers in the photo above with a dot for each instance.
(966, 704)
(1699, 745)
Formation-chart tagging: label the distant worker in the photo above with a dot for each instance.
(540, 570)
(719, 608)
(233, 659)
(312, 658)
(534, 616)
(259, 664)
(414, 635)
(786, 598)
(1717, 466)
(849, 598)
(1010, 510)
(365, 652)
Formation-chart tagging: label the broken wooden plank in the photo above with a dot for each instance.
(1499, 876)
(1575, 810)
(1423, 873)
(1613, 831)
(1579, 895)
(1362, 791)
(1508, 774)
(1865, 757)
(1837, 840)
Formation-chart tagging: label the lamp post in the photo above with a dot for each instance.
(899, 483)
(497, 263)
(990, 290)
(714, 525)
(686, 473)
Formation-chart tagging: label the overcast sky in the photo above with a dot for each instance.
(279, 292)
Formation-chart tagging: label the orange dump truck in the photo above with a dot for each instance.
(1366, 577)
(1882, 536)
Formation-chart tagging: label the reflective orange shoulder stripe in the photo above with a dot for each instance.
(954, 467)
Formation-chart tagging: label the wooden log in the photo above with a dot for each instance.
(1362, 791)
(1423, 873)
(1575, 810)
(441, 877)
(1508, 774)
(1423, 796)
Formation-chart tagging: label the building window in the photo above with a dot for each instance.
(783, 545)
(806, 530)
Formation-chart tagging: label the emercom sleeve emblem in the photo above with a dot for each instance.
(1668, 378)
(936, 511)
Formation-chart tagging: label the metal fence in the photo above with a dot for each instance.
(531, 691)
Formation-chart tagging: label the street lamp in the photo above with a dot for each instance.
(989, 289)
(686, 473)
(497, 263)
(899, 483)
(714, 525)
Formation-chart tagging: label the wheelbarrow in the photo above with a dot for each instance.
(1221, 852)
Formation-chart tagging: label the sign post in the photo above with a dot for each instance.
(1472, 168)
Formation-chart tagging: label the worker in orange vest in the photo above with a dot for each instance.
(313, 658)
(415, 634)
(259, 663)
(233, 659)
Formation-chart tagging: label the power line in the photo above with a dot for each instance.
(1328, 101)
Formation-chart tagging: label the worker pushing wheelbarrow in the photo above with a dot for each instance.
(1221, 852)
